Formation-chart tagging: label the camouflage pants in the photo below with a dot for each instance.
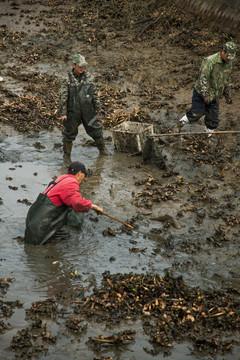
(200, 108)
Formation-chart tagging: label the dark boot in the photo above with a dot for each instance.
(67, 148)
(101, 147)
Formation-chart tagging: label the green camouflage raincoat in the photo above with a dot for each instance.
(214, 78)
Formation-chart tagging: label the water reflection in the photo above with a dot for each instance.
(52, 271)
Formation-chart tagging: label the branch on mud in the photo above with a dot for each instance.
(153, 23)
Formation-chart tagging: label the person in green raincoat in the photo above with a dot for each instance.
(214, 81)
(78, 104)
(58, 205)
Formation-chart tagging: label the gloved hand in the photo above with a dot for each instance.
(228, 100)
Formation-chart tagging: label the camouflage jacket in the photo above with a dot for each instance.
(214, 78)
(70, 80)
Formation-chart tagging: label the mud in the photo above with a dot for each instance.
(170, 287)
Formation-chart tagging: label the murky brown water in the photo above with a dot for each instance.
(27, 165)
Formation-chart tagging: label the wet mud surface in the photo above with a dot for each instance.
(170, 287)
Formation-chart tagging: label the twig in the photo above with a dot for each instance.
(155, 21)
(144, 20)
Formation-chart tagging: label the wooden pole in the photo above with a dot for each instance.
(195, 133)
(112, 217)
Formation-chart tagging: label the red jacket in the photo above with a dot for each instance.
(67, 192)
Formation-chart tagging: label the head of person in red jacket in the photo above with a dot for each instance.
(79, 171)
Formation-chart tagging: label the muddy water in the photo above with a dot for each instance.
(28, 164)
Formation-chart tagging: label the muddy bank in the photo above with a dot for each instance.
(101, 293)
(170, 313)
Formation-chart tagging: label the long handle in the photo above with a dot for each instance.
(194, 133)
(112, 217)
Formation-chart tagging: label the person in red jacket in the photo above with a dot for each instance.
(51, 209)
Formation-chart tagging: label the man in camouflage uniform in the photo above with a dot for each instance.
(78, 104)
(214, 81)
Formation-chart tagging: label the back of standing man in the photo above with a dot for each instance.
(214, 81)
(78, 104)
